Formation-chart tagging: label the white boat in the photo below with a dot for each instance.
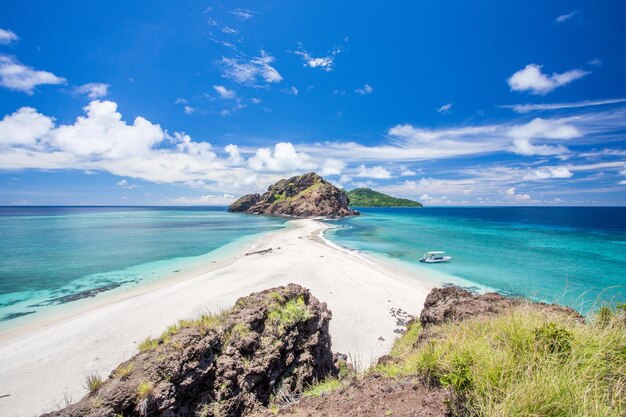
(435, 257)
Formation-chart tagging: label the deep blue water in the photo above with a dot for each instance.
(53, 255)
(570, 255)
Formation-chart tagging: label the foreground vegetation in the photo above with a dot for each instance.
(523, 363)
(365, 197)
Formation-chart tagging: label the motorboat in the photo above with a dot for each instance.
(435, 257)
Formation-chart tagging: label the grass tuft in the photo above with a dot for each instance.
(123, 371)
(288, 313)
(321, 388)
(93, 383)
(145, 389)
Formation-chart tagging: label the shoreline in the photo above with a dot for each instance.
(45, 363)
(193, 267)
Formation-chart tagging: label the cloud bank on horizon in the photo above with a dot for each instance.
(233, 102)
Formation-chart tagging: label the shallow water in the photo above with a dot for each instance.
(56, 255)
(570, 255)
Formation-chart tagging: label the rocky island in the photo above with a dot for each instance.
(307, 195)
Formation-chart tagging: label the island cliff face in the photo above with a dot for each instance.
(307, 195)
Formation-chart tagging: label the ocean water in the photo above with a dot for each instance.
(571, 255)
(50, 256)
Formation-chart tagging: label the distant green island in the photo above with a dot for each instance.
(366, 197)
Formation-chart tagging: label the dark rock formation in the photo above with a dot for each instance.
(308, 195)
(455, 304)
(275, 340)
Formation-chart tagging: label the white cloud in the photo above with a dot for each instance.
(533, 80)
(565, 17)
(7, 36)
(224, 92)
(545, 129)
(18, 77)
(406, 172)
(24, 127)
(93, 90)
(188, 109)
(284, 158)
(324, 63)
(445, 108)
(251, 70)
(229, 30)
(366, 89)
(548, 173)
(125, 184)
(205, 200)
(293, 91)
(378, 172)
(527, 108)
(332, 166)
(243, 14)
(512, 193)
(233, 154)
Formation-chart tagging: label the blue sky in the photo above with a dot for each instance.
(197, 102)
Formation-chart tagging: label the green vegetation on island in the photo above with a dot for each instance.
(366, 197)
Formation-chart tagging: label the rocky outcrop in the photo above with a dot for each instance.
(229, 365)
(452, 304)
(308, 195)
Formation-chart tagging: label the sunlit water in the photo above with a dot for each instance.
(50, 256)
(571, 255)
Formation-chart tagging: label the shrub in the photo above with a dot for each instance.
(554, 338)
(148, 343)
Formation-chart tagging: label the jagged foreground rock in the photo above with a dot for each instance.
(455, 304)
(308, 195)
(222, 366)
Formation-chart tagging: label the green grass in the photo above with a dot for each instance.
(321, 388)
(203, 322)
(145, 389)
(523, 363)
(123, 371)
(283, 314)
(93, 383)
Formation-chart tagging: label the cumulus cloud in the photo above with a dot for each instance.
(378, 172)
(283, 158)
(512, 193)
(366, 89)
(248, 71)
(7, 36)
(19, 77)
(93, 90)
(25, 127)
(445, 108)
(407, 172)
(332, 166)
(224, 92)
(531, 79)
(233, 154)
(188, 110)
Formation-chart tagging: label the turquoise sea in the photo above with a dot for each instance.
(570, 255)
(55, 256)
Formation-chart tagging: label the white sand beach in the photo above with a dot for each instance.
(48, 362)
